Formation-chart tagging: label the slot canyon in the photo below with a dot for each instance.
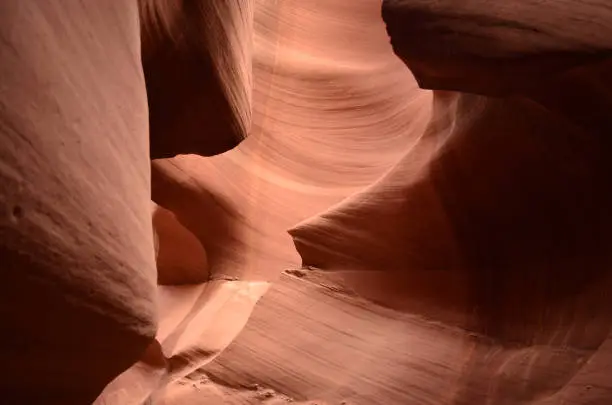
(316, 202)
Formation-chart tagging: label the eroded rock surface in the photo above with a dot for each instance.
(79, 295)
(78, 269)
(496, 220)
(455, 241)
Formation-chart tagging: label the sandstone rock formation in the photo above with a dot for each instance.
(454, 242)
(78, 296)
(495, 220)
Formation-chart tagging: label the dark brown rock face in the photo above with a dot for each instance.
(196, 57)
(496, 49)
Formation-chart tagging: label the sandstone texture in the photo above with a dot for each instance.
(352, 202)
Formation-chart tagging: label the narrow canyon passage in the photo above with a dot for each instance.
(340, 202)
(330, 119)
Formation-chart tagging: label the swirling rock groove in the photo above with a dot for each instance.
(354, 202)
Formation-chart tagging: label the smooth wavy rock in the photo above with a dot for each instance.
(497, 193)
(308, 106)
(76, 245)
(456, 243)
(458, 229)
(197, 323)
(496, 220)
(79, 297)
(315, 344)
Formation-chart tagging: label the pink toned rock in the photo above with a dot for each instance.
(76, 246)
(89, 92)
(181, 259)
(455, 241)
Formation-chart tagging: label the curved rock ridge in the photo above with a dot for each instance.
(311, 99)
(478, 219)
(377, 238)
(496, 220)
(485, 227)
(500, 191)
